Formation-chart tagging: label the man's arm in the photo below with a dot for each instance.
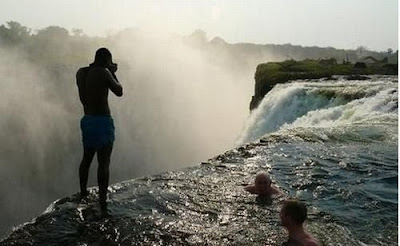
(113, 83)
(251, 188)
(275, 190)
(80, 81)
(312, 243)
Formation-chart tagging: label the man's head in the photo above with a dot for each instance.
(103, 57)
(293, 213)
(262, 182)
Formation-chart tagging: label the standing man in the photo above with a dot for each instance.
(97, 125)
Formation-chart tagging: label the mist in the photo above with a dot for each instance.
(180, 107)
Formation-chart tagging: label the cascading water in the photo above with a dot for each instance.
(327, 104)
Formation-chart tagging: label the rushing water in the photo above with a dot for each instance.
(332, 144)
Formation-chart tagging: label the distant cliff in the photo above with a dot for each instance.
(269, 74)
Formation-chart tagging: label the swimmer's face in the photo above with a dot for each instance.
(283, 216)
(262, 183)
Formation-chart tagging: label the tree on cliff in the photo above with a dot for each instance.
(13, 34)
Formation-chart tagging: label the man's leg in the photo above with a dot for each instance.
(103, 173)
(88, 155)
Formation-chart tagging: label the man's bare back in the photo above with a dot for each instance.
(302, 239)
(93, 83)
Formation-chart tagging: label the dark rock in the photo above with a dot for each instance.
(357, 77)
(360, 65)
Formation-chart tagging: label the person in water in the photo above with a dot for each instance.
(97, 125)
(263, 186)
(293, 214)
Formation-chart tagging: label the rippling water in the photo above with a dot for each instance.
(339, 154)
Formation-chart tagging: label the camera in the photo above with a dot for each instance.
(113, 67)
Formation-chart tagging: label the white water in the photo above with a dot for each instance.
(324, 104)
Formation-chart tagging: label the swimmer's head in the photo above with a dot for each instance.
(293, 212)
(262, 182)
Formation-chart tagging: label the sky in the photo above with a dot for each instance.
(343, 24)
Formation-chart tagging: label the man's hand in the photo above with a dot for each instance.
(113, 67)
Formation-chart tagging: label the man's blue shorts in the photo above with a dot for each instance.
(97, 131)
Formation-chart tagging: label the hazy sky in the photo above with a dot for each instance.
(336, 23)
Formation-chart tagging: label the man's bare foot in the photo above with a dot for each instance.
(104, 210)
(83, 196)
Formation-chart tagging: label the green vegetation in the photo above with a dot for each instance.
(269, 74)
(56, 45)
(50, 46)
